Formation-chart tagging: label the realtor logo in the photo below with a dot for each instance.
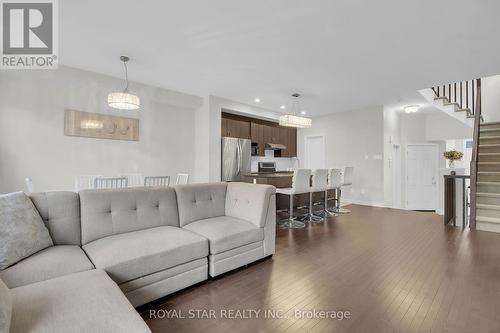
(29, 34)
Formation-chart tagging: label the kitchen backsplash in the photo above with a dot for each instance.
(282, 163)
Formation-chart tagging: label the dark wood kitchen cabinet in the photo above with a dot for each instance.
(292, 142)
(257, 135)
(260, 132)
(235, 128)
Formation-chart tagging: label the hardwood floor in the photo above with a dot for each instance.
(394, 270)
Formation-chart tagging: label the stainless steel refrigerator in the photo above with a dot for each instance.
(236, 158)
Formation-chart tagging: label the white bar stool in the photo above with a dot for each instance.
(300, 184)
(334, 183)
(346, 181)
(319, 184)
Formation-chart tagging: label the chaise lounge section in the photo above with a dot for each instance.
(132, 246)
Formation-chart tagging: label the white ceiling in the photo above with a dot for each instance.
(339, 54)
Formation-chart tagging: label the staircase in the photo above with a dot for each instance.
(488, 178)
(458, 100)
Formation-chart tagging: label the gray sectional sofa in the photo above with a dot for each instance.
(118, 249)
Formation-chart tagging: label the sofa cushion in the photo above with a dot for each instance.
(21, 229)
(82, 302)
(60, 211)
(200, 201)
(5, 307)
(115, 211)
(226, 233)
(49, 263)
(136, 254)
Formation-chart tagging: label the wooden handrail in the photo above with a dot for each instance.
(475, 157)
(471, 95)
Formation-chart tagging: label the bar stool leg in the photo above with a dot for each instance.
(327, 211)
(337, 209)
(291, 222)
(310, 217)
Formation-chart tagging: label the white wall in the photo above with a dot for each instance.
(392, 157)
(440, 126)
(32, 143)
(490, 98)
(354, 138)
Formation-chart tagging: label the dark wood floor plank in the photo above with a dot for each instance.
(394, 270)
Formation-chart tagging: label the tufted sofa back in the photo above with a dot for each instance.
(200, 201)
(248, 202)
(61, 213)
(115, 211)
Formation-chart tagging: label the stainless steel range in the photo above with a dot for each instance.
(267, 167)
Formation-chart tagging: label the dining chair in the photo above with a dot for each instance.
(84, 182)
(134, 179)
(102, 183)
(157, 181)
(29, 185)
(181, 179)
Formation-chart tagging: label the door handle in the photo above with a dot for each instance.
(238, 149)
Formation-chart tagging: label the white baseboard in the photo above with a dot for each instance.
(363, 203)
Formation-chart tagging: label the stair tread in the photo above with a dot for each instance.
(489, 172)
(488, 183)
(488, 206)
(489, 154)
(490, 137)
(488, 162)
(489, 145)
(489, 195)
(494, 129)
(492, 123)
(487, 219)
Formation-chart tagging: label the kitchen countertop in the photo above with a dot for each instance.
(269, 174)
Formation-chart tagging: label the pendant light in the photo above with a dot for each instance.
(124, 100)
(293, 119)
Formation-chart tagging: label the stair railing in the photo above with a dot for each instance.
(463, 94)
(466, 96)
(475, 158)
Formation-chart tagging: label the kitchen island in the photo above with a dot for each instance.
(279, 179)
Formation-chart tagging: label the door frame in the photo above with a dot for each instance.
(396, 174)
(436, 146)
(323, 138)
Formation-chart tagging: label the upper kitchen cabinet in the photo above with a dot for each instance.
(235, 128)
(292, 142)
(260, 132)
(257, 134)
(284, 133)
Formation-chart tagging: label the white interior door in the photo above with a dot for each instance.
(421, 173)
(315, 152)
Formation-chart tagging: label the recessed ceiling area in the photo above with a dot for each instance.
(339, 55)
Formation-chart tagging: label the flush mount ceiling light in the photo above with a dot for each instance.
(282, 107)
(124, 100)
(257, 100)
(411, 108)
(292, 119)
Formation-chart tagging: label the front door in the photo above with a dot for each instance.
(421, 173)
